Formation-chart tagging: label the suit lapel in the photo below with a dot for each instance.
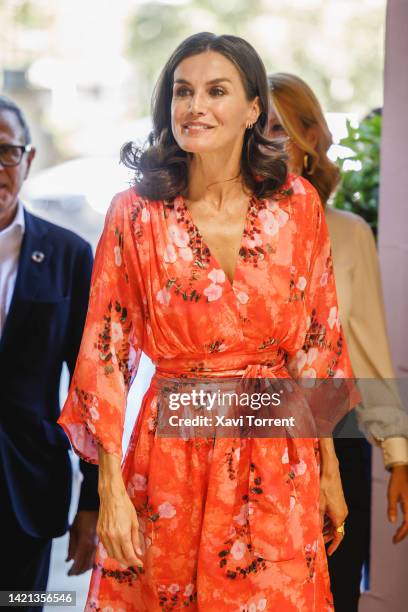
(33, 263)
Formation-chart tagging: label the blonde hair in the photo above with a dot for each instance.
(298, 109)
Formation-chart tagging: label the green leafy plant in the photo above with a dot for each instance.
(360, 170)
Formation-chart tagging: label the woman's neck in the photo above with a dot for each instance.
(215, 179)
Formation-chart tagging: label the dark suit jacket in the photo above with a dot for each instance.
(42, 330)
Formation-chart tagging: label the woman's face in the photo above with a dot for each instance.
(276, 130)
(209, 109)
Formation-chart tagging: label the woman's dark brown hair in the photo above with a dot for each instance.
(161, 168)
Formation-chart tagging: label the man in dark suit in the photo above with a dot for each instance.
(44, 283)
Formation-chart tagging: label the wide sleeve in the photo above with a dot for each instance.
(110, 350)
(322, 352)
(381, 414)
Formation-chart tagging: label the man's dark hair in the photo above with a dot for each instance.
(161, 167)
(8, 105)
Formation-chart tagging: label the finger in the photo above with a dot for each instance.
(401, 533)
(136, 541)
(392, 510)
(337, 539)
(79, 561)
(129, 554)
(88, 562)
(72, 544)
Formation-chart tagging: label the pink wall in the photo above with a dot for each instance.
(389, 563)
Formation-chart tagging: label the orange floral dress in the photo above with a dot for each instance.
(232, 523)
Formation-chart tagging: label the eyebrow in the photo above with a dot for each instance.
(212, 82)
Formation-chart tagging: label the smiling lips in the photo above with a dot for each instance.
(193, 126)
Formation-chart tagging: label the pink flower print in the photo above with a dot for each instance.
(238, 550)
(166, 510)
(94, 413)
(323, 279)
(338, 378)
(213, 292)
(333, 319)
(242, 297)
(298, 187)
(282, 217)
(271, 227)
(252, 607)
(170, 255)
(179, 237)
(186, 253)
(312, 355)
(145, 215)
(116, 332)
(300, 468)
(216, 275)
(262, 604)
(269, 222)
(139, 482)
(254, 242)
(189, 590)
(299, 360)
(309, 375)
(301, 284)
(163, 296)
(118, 256)
(174, 588)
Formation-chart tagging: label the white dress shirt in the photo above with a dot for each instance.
(11, 239)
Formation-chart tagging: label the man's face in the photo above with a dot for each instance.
(11, 179)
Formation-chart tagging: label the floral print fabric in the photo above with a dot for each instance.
(230, 524)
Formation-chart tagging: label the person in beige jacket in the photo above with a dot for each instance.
(296, 116)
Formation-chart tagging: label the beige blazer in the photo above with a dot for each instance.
(361, 309)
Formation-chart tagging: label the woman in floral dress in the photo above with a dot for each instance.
(216, 265)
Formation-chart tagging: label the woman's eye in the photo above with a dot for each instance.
(181, 92)
(217, 91)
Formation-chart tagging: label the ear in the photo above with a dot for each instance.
(312, 136)
(30, 158)
(255, 111)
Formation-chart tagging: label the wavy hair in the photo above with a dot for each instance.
(298, 109)
(161, 166)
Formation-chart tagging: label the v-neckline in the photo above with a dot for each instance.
(231, 282)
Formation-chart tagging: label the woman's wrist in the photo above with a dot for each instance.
(329, 463)
(110, 480)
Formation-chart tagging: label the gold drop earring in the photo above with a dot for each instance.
(306, 163)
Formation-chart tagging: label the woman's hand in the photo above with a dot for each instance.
(398, 492)
(118, 527)
(333, 507)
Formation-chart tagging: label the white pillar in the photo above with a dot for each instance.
(389, 562)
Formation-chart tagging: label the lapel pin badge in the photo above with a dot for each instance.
(37, 256)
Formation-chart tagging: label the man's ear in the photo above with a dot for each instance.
(30, 158)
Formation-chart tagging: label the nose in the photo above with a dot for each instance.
(197, 104)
